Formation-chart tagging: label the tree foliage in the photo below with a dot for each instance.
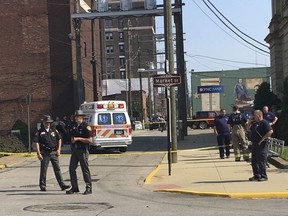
(265, 97)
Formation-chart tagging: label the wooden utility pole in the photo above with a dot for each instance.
(93, 60)
(169, 54)
(77, 26)
(181, 69)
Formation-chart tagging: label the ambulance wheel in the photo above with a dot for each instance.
(122, 149)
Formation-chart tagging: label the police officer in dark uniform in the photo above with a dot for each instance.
(48, 147)
(81, 136)
(222, 130)
(260, 131)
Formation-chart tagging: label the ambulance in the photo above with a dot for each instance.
(110, 124)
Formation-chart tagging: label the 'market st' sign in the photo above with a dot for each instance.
(166, 80)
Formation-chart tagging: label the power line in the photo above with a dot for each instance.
(226, 31)
(227, 60)
(232, 29)
(236, 27)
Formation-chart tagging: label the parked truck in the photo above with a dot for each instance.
(202, 120)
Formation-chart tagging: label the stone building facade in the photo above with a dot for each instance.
(278, 40)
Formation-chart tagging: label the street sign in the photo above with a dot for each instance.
(211, 89)
(166, 80)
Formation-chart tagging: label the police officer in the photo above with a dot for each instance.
(222, 130)
(48, 147)
(81, 136)
(260, 131)
(237, 121)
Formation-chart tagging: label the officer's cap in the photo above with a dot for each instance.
(79, 113)
(47, 118)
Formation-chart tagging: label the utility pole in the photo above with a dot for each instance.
(128, 71)
(169, 54)
(140, 81)
(182, 104)
(77, 26)
(93, 60)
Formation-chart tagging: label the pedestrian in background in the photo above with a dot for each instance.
(272, 120)
(48, 147)
(222, 130)
(260, 131)
(237, 122)
(269, 116)
(81, 136)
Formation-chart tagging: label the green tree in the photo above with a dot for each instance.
(265, 97)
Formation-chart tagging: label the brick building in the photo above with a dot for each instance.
(38, 59)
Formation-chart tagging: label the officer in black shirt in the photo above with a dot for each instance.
(48, 147)
(260, 131)
(81, 136)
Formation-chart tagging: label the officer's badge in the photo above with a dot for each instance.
(53, 134)
(89, 128)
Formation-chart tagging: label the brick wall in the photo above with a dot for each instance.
(25, 62)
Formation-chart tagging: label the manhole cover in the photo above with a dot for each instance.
(69, 207)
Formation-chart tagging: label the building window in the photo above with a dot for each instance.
(109, 35)
(109, 49)
(122, 74)
(121, 50)
(110, 62)
(121, 36)
(108, 23)
(121, 24)
(122, 62)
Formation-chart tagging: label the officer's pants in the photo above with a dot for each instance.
(56, 167)
(259, 160)
(79, 155)
(224, 143)
(238, 136)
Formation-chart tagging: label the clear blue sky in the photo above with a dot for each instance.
(206, 36)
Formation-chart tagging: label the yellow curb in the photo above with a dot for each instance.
(267, 195)
(124, 154)
(18, 154)
(150, 176)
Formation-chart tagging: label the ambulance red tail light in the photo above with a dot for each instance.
(120, 106)
(93, 132)
(100, 106)
(130, 131)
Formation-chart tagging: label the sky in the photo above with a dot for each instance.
(211, 46)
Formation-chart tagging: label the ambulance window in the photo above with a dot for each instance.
(119, 118)
(104, 119)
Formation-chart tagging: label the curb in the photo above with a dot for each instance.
(278, 162)
(267, 195)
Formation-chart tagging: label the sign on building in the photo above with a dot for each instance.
(210, 89)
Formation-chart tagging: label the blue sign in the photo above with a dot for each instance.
(211, 89)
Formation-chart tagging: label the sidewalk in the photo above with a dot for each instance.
(202, 172)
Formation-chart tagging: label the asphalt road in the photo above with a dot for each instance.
(118, 188)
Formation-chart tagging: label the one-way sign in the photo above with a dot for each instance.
(166, 80)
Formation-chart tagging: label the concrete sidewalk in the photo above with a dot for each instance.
(202, 172)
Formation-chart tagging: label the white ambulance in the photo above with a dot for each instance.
(110, 124)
